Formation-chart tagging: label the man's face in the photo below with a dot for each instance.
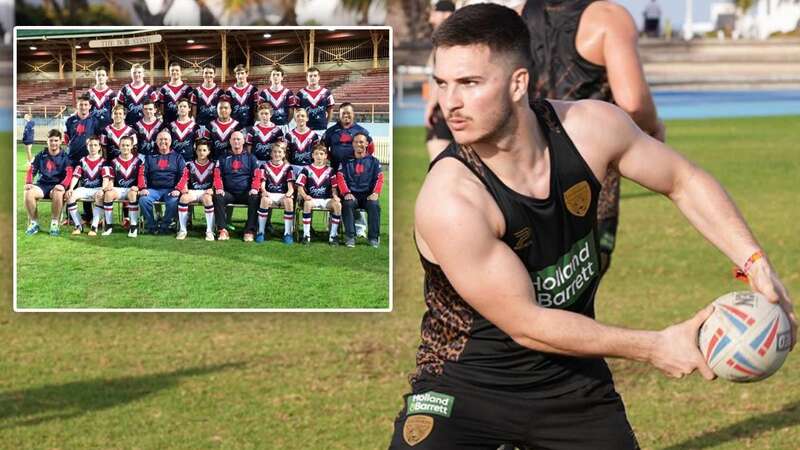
(360, 146)
(276, 77)
(264, 115)
(163, 141)
(208, 75)
(319, 157)
(241, 77)
(125, 147)
(54, 144)
(118, 116)
(278, 152)
(175, 73)
(183, 109)
(101, 77)
(223, 110)
(346, 115)
(137, 75)
(83, 107)
(93, 146)
(473, 91)
(149, 111)
(312, 78)
(237, 142)
(202, 152)
(301, 118)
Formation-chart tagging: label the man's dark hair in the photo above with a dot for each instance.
(94, 137)
(344, 105)
(444, 6)
(53, 133)
(277, 68)
(83, 97)
(148, 101)
(209, 66)
(497, 27)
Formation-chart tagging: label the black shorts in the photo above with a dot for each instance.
(448, 417)
(46, 188)
(440, 129)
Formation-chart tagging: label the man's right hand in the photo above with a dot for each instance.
(144, 192)
(676, 352)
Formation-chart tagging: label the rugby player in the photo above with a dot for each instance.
(205, 97)
(147, 129)
(280, 98)
(510, 349)
(276, 181)
(120, 181)
(173, 92)
(54, 171)
(301, 140)
(236, 180)
(112, 134)
(89, 174)
(317, 101)
(244, 96)
(263, 134)
(79, 127)
(339, 137)
(221, 129)
(101, 97)
(316, 187)
(133, 94)
(196, 185)
(27, 137)
(184, 131)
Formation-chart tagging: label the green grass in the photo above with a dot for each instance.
(335, 381)
(161, 272)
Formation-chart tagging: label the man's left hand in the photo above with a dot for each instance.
(374, 196)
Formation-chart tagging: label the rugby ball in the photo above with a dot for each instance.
(746, 338)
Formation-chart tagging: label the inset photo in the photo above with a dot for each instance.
(202, 169)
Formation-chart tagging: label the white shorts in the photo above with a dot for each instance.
(84, 193)
(321, 203)
(196, 195)
(122, 192)
(276, 198)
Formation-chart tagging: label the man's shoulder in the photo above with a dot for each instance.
(609, 16)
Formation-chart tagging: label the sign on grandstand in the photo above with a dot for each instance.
(125, 42)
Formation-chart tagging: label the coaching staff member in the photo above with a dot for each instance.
(158, 179)
(505, 227)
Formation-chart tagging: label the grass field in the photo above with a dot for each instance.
(334, 381)
(161, 272)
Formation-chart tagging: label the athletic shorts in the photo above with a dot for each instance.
(84, 193)
(442, 416)
(276, 198)
(46, 188)
(321, 203)
(122, 192)
(439, 129)
(196, 195)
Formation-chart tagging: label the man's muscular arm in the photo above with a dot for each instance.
(461, 236)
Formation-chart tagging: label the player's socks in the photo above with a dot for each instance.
(263, 213)
(96, 211)
(335, 225)
(183, 215)
(307, 224)
(108, 208)
(133, 210)
(209, 219)
(54, 224)
(72, 208)
(288, 221)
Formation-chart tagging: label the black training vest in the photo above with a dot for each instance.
(559, 71)
(555, 240)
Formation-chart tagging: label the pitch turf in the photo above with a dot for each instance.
(161, 272)
(334, 381)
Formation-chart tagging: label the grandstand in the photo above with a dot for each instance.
(55, 66)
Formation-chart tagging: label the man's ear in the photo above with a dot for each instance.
(518, 87)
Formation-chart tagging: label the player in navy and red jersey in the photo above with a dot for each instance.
(147, 129)
(244, 98)
(79, 127)
(205, 98)
(132, 95)
(280, 98)
(196, 185)
(317, 101)
(185, 131)
(109, 140)
(301, 141)
(172, 92)
(360, 181)
(339, 137)
(27, 136)
(236, 179)
(316, 186)
(276, 181)
(221, 129)
(89, 174)
(263, 134)
(52, 166)
(120, 178)
(101, 97)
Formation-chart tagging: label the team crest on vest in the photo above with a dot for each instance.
(275, 98)
(523, 238)
(182, 130)
(578, 198)
(137, 94)
(240, 94)
(314, 97)
(201, 175)
(417, 428)
(276, 174)
(207, 95)
(99, 97)
(223, 130)
(175, 92)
